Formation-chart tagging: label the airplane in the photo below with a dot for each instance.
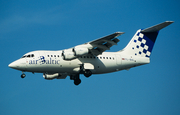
(91, 58)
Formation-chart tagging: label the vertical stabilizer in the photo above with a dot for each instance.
(143, 41)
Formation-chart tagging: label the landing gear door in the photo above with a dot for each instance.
(118, 60)
(88, 66)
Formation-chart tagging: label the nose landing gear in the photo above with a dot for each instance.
(23, 75)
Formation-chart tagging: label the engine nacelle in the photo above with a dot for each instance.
(78, 51)
(53, 76)
(68, 55)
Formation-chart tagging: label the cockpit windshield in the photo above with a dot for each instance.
(28, 56)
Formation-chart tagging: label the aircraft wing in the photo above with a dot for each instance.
(102, 44)
(94, 47)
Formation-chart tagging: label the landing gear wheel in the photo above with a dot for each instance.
(87, 73)
(77, 81)
(23, 75)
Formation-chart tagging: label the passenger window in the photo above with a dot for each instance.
(106, 57)
(51, 55)
(103, 57)
(54, 55)
(58, 55)
(109, 57)
(48, 55)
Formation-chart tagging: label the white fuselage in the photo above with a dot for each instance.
(53, 62)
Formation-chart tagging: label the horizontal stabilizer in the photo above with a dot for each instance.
(157, 27)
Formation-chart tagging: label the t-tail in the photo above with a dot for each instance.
(142, 43)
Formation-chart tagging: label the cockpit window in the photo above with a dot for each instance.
(28, 56)
(23, 56)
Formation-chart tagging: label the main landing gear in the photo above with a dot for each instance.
(87, 73)
(77, 80)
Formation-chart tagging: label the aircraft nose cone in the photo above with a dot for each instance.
(18, 64)
(13, 65)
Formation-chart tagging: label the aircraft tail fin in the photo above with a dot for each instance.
(143, 41)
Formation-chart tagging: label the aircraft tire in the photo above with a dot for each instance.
(23, 75)
(77, 81)
(87, 73)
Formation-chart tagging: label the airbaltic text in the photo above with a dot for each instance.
(42, 60)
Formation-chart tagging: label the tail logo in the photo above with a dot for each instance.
(142, 45)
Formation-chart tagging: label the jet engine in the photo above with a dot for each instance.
(78, 51)
(53, 76)
(68, 55)
(74, 53)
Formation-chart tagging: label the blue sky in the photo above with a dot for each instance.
(151, 89)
